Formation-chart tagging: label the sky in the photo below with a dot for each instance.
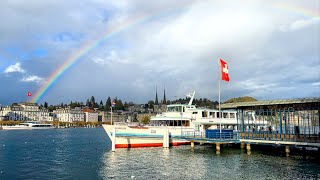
(128, 49)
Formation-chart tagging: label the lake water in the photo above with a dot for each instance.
(85, 153)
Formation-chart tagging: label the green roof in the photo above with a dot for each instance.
(271, 102)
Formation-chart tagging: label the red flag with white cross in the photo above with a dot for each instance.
(224, 71)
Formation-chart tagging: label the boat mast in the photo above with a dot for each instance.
(191, 95)
(219, 96)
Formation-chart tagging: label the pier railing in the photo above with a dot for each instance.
(276, 136)
(210, 136)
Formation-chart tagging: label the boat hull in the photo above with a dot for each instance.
(23, 128)
(133, 137)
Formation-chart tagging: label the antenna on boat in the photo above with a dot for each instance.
(191, 95)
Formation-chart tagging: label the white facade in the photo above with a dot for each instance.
(24, 112)
(69, 115)
(91, 116)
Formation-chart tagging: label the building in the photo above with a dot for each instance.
(24, 112)
(90, 115)
(69, 115)
(162, 106)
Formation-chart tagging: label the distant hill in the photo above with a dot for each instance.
(241, 99)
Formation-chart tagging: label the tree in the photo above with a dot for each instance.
(45, 105)
(145, 119)
(126, 106)
(88, 104)
(101, 107)
(241, 99)
(119, 105)
(51, 108)
(93, 102)
(108, 104)
(151, 104)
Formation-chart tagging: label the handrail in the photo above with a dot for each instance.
(210, 135)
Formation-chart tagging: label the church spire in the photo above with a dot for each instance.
(164, 97)
(156, 100)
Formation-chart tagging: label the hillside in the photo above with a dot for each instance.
(241, 99)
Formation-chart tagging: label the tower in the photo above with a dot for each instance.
(156, 100)
(164, 97)
(164, 102)
(156, 103)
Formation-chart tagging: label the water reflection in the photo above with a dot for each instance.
(199, 163)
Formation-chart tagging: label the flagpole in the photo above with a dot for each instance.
(220, 76)
(111, 113)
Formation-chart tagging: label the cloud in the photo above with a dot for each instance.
(14, 68)
(299, 24)
(138, 45)
(32, 78)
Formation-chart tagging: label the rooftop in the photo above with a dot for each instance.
(271, 102)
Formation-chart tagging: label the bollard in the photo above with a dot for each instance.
(242, 145)
(248, 147)
(114, 139)
(166, 138)
(287, 151)
(218, 147)
(192, 144)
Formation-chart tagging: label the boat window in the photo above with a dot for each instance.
(232, 115)
(225, 115)
(197, 128)
(194, 112)
(204, 113)
(218, 114)
(212, 114)
(174, 109)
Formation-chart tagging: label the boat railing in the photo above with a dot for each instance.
(127, 123)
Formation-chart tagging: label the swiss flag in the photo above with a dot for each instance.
(29, 94)
(224, 70)
(113, 103)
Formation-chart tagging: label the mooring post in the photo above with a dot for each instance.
(166, 138)
(217, 147)
(248, 147)
(287, 151)
(114, 139)
(192, 144)
(242, 145)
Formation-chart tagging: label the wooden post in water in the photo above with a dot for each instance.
(242, 145)
(218, 148)
(248, 149)
(287, 151)
(114, 139)
(192, 144)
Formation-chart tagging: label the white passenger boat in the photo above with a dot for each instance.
(28, 125)
(177, 119)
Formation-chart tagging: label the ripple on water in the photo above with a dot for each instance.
(86, 154)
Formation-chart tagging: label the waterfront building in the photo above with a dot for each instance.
(24, 112)
(117, 117)
(90, 115)
(69, 115)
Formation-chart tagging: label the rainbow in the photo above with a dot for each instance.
(88, 46)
